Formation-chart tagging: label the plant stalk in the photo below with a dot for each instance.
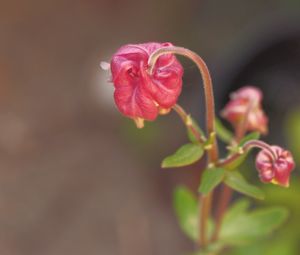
(207, 85)
(223, 202)
(245, 148)
(206, 201)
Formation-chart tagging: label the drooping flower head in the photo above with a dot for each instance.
(138, 94)
(246, 103)
(276, 170)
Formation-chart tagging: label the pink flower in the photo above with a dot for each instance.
(139, 95)
(246, 103)
(276, 170)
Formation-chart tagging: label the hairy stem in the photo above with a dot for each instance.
(207, 85)
(206, 201)
(245, 148)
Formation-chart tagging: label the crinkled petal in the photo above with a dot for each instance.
(164, 86)
(135, 102)
(139, 94)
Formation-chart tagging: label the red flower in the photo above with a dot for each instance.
(276, 170)
(139, 95)
(246, 103)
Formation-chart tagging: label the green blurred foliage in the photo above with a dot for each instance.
(286, 241)
(242, 226)
(187, 212)
(186, 209)
(292, 132)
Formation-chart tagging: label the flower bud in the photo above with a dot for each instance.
(246, 103)
(275, 170)
(138, 94)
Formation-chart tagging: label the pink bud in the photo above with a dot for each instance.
(246, 103)
(276, 170)
(138, 94)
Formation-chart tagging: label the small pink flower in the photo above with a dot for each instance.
(139, 95)
(276, 170)
(246, 103)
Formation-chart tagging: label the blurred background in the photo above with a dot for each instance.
(78, 178)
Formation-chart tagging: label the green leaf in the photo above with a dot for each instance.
(223, 133)
(237, 182)
(246, 226)
(191, 135)
(269, 219)
(211, 178)
(236, 209)
(248, 137)
(185, 155)
(186, 209)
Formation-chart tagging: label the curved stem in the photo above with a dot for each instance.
(260, 144)
(206, 201)
(246, 147)
(207, 85)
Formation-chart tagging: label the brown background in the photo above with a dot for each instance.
(75, 176)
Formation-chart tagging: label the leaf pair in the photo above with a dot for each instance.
(212, 177)
(192, 152)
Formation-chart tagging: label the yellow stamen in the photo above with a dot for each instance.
(139, 122)
(164, 111)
